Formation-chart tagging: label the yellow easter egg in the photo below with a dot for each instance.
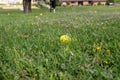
(65, 39)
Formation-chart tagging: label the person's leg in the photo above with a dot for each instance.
(54, 5)
(50, 6)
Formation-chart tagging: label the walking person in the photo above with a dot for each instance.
(52, 5)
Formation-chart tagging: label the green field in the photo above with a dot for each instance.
(30, 47)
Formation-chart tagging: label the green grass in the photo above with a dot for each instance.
(116, 0)
(30, 47)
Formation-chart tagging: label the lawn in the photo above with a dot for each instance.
(30, 46)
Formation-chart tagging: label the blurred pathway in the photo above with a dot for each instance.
(42, 3)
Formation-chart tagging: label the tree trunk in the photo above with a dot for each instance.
(27, 6)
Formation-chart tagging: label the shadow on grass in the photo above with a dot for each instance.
(17, 11)
(11, 11)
